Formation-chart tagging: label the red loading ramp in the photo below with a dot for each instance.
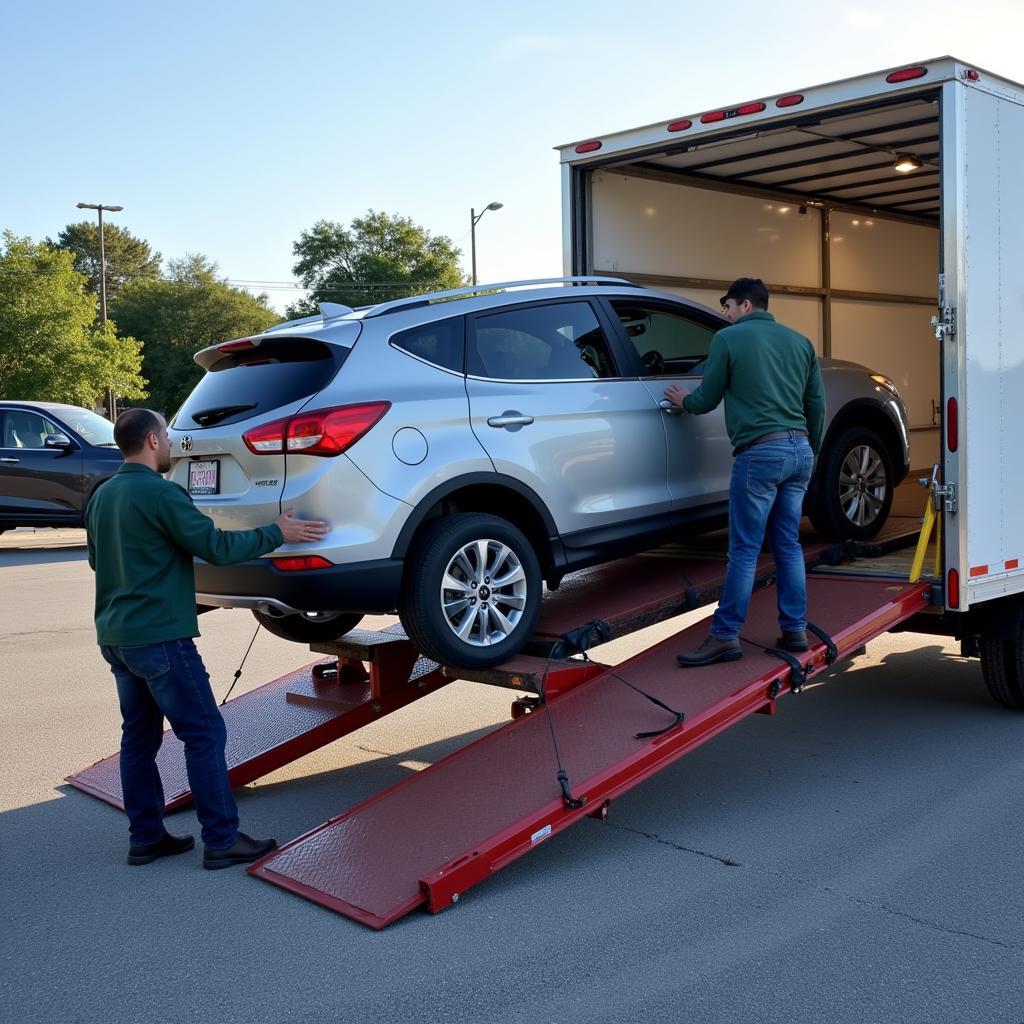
(431, 837)
(283, 720)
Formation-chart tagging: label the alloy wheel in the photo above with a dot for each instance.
(483, 592)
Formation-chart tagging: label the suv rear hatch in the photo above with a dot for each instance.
(248, 383)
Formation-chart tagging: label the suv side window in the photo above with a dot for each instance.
(26, 429)
(442, 343)
(559, 341)
(669, 344)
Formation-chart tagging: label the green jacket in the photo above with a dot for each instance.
(142, 532)
(770, 379)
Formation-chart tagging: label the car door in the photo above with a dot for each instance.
(672, 343)
(551, 407)
(37, 482)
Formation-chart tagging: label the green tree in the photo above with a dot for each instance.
(127, 258)
(180, 313)
(51, 348)
(378, 257)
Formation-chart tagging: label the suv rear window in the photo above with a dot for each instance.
(558, 341)
(255, 381)
(442, 343)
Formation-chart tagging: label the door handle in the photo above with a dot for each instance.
(511, 419)
(670, 408)
(5, 459)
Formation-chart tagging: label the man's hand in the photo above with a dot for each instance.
(675, 393)
(296, 531)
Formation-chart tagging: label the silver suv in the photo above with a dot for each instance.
(466, 447)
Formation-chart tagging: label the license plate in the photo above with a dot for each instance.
(204, 477)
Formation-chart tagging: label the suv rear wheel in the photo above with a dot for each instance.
(855, 486)
(473, 590)
(308, 629)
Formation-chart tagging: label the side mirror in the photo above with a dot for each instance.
(61, 441)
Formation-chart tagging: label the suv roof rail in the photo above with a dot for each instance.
(425, 300)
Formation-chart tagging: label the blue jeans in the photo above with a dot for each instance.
(766, 493)
(169, 680)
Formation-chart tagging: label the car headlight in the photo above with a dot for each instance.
(882, 381)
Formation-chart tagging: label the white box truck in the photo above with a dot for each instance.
(886, 215)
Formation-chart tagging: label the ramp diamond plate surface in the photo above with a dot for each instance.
(369, 863)
(258, 723)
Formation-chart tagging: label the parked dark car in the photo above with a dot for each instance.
(52, 459)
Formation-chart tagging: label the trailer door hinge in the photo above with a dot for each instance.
(946, 327)
(944, 497)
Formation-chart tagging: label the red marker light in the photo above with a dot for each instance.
(953, 588)
(589, 147)
(750, 108)
(972, 75)
(714, 115)
(300, 562)
(680, 126)
(906, 74)
(790, 101)
(952, 428)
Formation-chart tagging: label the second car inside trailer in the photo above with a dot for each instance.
(885, 215)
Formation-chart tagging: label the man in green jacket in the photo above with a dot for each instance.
(142, 532)
(775, 415)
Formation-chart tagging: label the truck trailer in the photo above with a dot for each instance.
(885, 215)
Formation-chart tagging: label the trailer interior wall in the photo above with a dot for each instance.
(676, 236)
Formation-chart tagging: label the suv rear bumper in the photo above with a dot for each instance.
(368, 587)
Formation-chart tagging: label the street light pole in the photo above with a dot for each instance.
(99, 208)
(474, 217)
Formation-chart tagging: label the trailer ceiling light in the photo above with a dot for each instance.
(906, 74)
(905, 163)
(680, 126)
(589, 147)
(789, 101)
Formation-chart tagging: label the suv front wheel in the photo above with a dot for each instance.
(472, 590)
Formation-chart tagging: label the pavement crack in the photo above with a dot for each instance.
(371, 750)
(828, 890)
(727, 861)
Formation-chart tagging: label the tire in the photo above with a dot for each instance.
(1001, 645)
(854, 488)
(302, 630)
(449, 548)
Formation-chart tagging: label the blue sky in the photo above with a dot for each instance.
(228, 128)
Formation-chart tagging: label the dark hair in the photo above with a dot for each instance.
(132, 428)
(751, 288)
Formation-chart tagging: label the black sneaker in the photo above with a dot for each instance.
(795, 642)
(168, 846)
(244, 850)
(711, 651)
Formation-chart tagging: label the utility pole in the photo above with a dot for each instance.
(99, 208)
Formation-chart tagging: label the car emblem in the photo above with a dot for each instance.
(186, 443)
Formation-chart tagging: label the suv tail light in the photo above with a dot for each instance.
(323, 432)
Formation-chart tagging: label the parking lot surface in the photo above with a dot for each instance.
(855, 858)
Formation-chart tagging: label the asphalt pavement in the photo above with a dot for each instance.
(855, 858)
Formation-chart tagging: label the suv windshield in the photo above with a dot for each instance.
(88, 425)
(254, 381)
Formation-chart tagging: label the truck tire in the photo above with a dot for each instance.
(1001, 645)
(472, 590)
(303, 630)
(854, 489)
